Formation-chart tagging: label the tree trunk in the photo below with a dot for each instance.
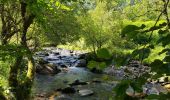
(13, 81)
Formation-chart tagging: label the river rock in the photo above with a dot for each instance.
(62, 97)
(67, 90)
(63, 66)
(56, 53)
(167, 86)
(41, 61)
(71, 51)
(96, 81)
(81, 63)
(153, 88)
(42, 54)
(77, 82)
(86, 92)
(130, 91)
(51, 59)
(95, 70)
(109, 70)
(47, 69)
(82, 56)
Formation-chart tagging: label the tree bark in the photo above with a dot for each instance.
(13, 74)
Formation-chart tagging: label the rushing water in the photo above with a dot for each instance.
(48, 84)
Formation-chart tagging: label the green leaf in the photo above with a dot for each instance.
(129, 29)
(160, 68)
(151, 46)
(92, 64)
(103, 53)
(156, 65)
(161, 32)
(164, 40)
(102, 65)
(141, 53)
(121, 89)
(164, 50)
(167, 59)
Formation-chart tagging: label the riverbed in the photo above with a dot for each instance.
(47, 86)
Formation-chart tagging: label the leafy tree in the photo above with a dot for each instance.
(159, 66)
(17, 18)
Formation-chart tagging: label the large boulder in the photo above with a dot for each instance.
(47, 69)
(82, 56)
(81, 63)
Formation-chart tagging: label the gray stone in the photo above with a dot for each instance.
(82, 56)
(81, 63)
(130, 91)
(153, 90)
(85, 92)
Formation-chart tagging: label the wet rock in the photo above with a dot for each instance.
(130, 91)
(63, 66)
(81, 63)
(67, 90)
(161, 89)
(71, 51)
(46, 54)
(109, 70)
(95, 70)
(56, 53)
(59, 57)
(63, 97)
(51, 59)
(77, 82)
(47, 69)
(42, 54)
(65, 70)
(86, 92)
(96, 81)
(81, 56)
(41, 61)
(152, 88)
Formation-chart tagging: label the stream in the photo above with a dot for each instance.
(46, 86)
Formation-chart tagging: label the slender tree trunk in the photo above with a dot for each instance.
(13, 74)
(27, 21)
(29, 78)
